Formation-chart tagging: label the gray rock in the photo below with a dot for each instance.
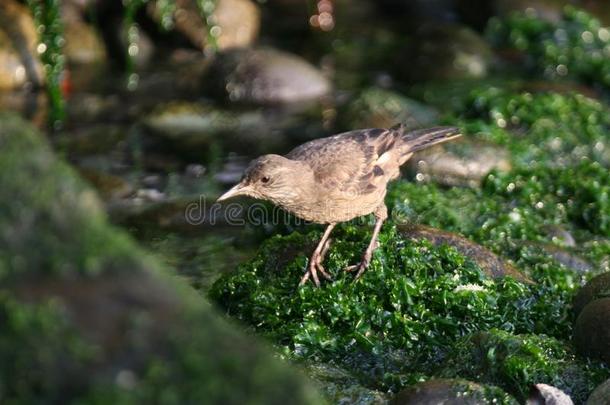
(543, 394)
(264, 76)
(601, 395)
(466, 163)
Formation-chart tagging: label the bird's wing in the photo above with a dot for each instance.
(348, 162)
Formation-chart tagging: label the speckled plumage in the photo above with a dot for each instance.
(335, 179)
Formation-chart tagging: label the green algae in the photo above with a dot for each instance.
(401, 319)
(577, 46)
(516, 362)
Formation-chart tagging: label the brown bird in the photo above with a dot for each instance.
(335, 179)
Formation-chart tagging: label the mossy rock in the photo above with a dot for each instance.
(516, 362)
(87, 316)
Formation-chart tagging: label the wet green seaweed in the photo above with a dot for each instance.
(516, 362)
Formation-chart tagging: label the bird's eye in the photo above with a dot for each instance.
(265, 179)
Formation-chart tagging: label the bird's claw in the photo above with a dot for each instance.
(315, 266)
(361, 267)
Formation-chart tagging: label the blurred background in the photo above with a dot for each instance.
(159, 105)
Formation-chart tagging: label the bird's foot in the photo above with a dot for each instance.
(360, 267)
(315, 266)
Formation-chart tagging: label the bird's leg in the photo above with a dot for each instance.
(315, 262)
(380, 215)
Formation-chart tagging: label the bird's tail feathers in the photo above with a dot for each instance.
(413, 141)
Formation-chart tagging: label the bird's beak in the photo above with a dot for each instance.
(238, 189)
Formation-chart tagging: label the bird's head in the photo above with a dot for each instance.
(271, 177)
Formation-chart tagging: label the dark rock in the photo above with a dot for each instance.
(445, 52)
(543, 394)
(601, 395)
(87, 316)
(466, 163)
(444, 391)
(490, 263)
(597, 287)
(566, 257)
(264, 76)
(592, 330)
(19, 63)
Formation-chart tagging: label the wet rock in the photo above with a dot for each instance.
(264, 76)
(83, 44)
(448, 391)
(238, 22)
(597, 287)
(445, 52)
(601, 395)
(491, 264)
(379, 108)
(465, 163)
(592, 330)
(194, 129)
(104, 321)
(19, 63)
(543, 394)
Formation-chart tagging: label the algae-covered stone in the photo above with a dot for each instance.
(491, 264)
(379, 108)
(592, 330)
(447, 391)
(516, 362)
(264, 76)
(88, 317)
(597, 287)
